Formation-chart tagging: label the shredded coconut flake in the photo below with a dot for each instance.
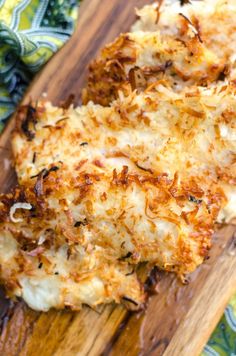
(41, 239)
(16, 206)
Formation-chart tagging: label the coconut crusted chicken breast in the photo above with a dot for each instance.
(44, 261)
(213, 21)
(143, 180)
(142, 59)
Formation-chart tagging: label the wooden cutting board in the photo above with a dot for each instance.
(178, 319)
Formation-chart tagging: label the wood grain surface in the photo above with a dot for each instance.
(179, 318)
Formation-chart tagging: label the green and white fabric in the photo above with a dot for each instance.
(223, 339)
(30, 32)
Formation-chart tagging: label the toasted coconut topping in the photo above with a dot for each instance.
(213, 20)
(191, 25)
(155, 174)
(178, 63)
(144, 179)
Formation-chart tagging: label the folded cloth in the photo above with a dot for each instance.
(223, 339)
(30, 32)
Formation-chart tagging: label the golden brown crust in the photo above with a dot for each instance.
(102, 199)
(172, 183)
(213, 22)
(105, 188)
(141, 59)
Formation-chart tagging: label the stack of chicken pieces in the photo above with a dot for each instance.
(140, 173)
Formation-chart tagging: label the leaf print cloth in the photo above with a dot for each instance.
(30, 32)
(223, 339)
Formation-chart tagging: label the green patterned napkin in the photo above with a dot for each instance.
(223, 339)
(30, 32)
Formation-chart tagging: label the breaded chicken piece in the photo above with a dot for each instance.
(143, 180)
(214, 22)
(41, 262)
(142, 59)
(182, 46)
(156, 132)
